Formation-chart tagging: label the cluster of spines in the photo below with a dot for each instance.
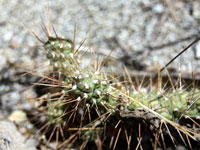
(88, 90)
(93, 85)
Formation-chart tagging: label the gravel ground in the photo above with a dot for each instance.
(141, 34)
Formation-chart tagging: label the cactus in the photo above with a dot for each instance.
(94, 87)
(91, 105)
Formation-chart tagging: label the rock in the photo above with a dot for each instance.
(158, 8)
(17, 116)
(11, 139)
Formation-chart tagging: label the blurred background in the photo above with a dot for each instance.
(142, 35)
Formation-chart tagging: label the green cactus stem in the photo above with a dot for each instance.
(91, 100)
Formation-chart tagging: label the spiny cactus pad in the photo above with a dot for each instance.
(92, 86)
(91, 102)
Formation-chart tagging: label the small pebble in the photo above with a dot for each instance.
(17, 116)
